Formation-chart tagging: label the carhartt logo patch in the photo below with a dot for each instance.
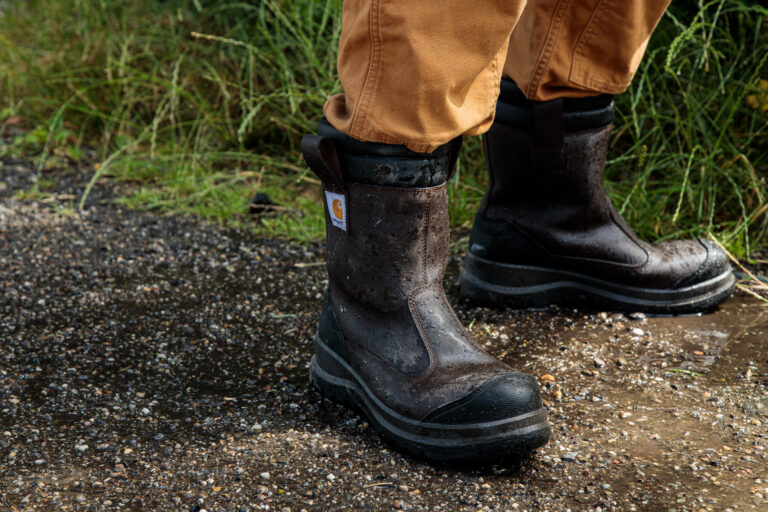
(337, 209)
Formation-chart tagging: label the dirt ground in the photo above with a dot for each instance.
(150, 362)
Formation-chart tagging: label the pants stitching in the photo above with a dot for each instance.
(371, 77)
(549, 46)
(581, 49)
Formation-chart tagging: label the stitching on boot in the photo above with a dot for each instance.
(412, 378)
(458, 325)
(424, 340)
(422, 332)
(425, 237)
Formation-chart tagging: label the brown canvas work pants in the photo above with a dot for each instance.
(422, 72)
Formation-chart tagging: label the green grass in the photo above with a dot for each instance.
(198, 105)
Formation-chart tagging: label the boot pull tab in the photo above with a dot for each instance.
(320, 153)
(549, 136)
(453, 156)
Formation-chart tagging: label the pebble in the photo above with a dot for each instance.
(638, 331)
(160, 324)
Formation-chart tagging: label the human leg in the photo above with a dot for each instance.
(579, 48)
(420, 73)
(388, 342)
(415, 74)
(547, 231)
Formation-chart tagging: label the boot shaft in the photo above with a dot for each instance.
(390, 165)
(548, 158)
(396, 241)
(386, 213)
(546, 163)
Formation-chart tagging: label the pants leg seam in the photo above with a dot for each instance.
(580, 49)
(371, 77)
(549, 45)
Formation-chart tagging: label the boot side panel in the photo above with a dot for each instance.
(385, 277)
(380, 259)
(392, 336)
(565, 211)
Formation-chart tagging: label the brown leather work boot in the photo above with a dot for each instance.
(388, 342)
(547, 232)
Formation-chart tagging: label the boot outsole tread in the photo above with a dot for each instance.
(488, 282)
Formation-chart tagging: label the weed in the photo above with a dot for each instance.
(683, 371)
(32, 194)
(197, 106)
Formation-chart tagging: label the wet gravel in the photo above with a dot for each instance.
(150, 362)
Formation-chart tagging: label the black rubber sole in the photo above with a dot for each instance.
(476, 442)
(522, 286)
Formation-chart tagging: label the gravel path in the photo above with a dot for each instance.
(155, 363)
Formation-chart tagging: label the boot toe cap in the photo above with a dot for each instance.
(502, 397)
(715, 264)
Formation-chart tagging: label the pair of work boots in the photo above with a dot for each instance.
(389, 343)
